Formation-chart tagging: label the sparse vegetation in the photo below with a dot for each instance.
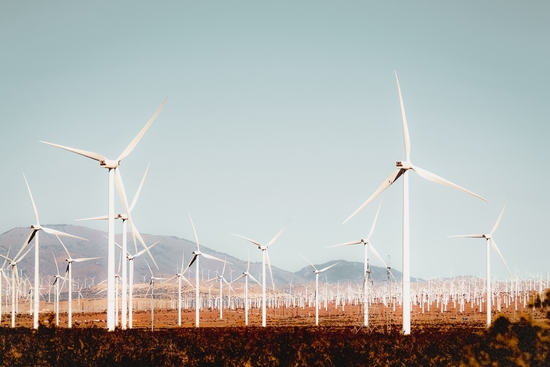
(523, 343)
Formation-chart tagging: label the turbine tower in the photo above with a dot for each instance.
(366, 242)
(196, 255)
(317, 287)
(265, 258)
(112, 166)
(402, 169)
(35, 233)
(489, 242)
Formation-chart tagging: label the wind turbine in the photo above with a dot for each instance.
(180, 276)
(317, 272)
(265, 258)
(124, 218)
(152, 288)
(489, 242)
(196, 255)
(131, 259)
(114, 174)
(15, 277)
(245, 275)
(222, 279)
(35, 234)
(68, 272)
(366, 242)
(2, 274)
(56, 283)
(402, 168)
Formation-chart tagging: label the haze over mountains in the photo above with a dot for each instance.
(168, 255)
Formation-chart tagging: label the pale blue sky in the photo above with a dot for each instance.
(286, 110)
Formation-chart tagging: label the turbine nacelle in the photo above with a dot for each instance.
(404, 164)
(109, 163)
(486, 236)
(36, 227)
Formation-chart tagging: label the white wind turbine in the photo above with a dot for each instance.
(180, 277)
(196, 255)
(489, 242)
(35, 233)
(124, 218)
(15, 277)
(114, 174)
(152, 288)
(402, 168)
(317, 272)
(366, 242)
(2, 274)
(131, 259)
(245, 275)
(56, 283)
(265, 258)
(68, 272)
(222, 279)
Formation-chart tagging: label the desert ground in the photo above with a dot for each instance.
(92, 313)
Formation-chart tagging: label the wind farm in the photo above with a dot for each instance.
(273, 126)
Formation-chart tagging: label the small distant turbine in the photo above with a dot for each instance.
(489, 242)
(265, 258)
(317, 272)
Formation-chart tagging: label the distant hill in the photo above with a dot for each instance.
(167, 254)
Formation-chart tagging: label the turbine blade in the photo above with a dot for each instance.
(188, 282)
(139, 188)
(277, 235)
(328, 267)
(239, 277)
(146, 249)
(91, 155)
(406, 137)
(25, 244)
(248, 239)
(152, 275)
(59, 233)
(356, 242)
(191, 263)
(377, 254)
(62, 244)
(32, 201)
(194, 231)
(56, 266)
(104, 217)
(214, 258)
(387, 183)
(138, 235)
(269, 266)
(308, 262)
(254, 279)
(18, 259)
(82, 259)
(166, 281)
(136, 140)
(498, 220)
(375, 219)
(494, 245)
(468, 236)
(435, 178)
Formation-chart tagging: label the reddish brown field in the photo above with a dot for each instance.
(380, 317)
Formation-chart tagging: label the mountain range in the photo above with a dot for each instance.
(167, 254)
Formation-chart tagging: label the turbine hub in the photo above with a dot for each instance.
(108, 163)
(487, 236)
(403, 164)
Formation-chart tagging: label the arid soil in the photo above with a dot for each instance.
(166, 315)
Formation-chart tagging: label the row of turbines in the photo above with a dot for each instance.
(439, 295)
(115, 179)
